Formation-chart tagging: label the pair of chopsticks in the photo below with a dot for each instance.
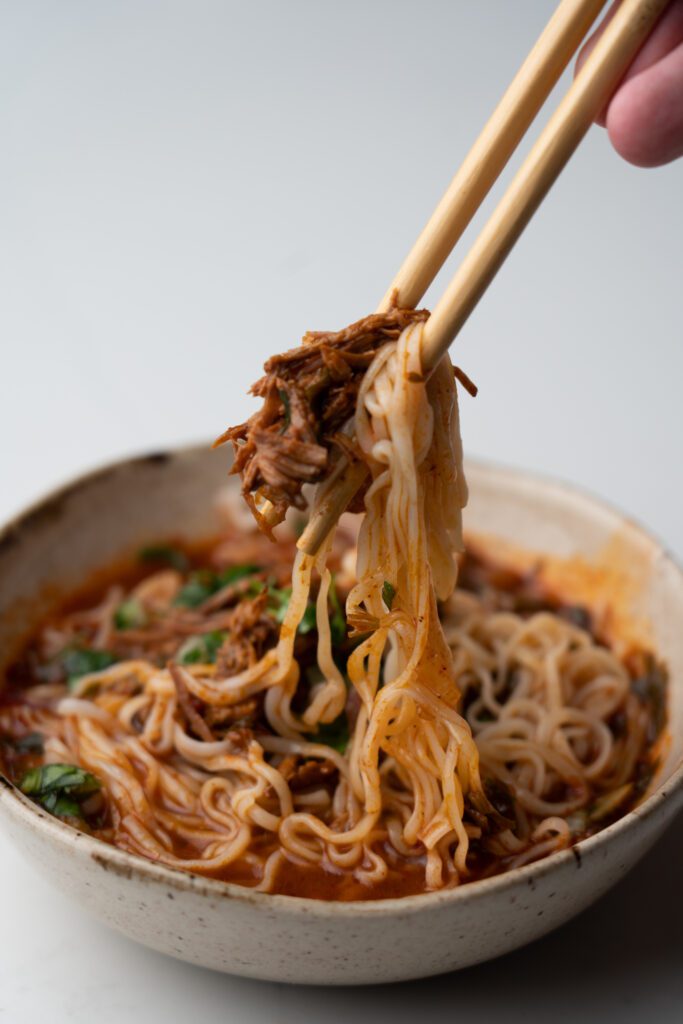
(586, 97)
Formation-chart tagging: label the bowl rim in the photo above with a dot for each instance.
(128, 865)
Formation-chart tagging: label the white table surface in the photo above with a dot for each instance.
(185, 188)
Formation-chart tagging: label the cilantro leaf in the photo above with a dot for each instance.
(333, 734)
(32, 743)
(278, 603)
(203, 583)
(200, 586)
(130, 614)
(81, 661)
(60, 788)
(309, 620)
(388, 594)
(201, 649)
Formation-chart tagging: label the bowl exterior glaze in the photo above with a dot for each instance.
(112, 512)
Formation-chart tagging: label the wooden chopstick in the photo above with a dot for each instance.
(481, 167)
(501, 135)
(588, 94)
(591, 89)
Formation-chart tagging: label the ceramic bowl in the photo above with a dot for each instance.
(112, 512)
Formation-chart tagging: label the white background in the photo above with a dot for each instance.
(185, 187)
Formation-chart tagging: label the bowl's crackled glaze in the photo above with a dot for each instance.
(110, 513)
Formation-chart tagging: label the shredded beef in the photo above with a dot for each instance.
(246, 713)
(186, 702)
(300, 773)
(308, 394)
(251, 632)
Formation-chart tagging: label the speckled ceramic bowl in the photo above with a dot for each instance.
(592, 552)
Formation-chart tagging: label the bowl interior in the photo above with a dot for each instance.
(587, 550)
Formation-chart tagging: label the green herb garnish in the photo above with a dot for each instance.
(333, 734)
(32, 743)
(235, 573)
(203, 583)
(278, 603)
(200, 586)
(308, 620)
(81, 661)
(651, 688)
(337, 618)
(165, 554)
(130, 614)
(60, 788)
(201, 649)
(388, 594)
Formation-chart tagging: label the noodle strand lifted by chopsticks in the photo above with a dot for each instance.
(540, 694)
(408, 727)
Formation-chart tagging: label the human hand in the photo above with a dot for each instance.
(644, 118)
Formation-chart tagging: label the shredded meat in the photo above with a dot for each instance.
(466, 381)
(125, 687)
(301, 774)
(308, 394)
(209, 723)
(240, 737)
(185, 701)
(245, 713)
(251, 632)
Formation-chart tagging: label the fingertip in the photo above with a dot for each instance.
(645, 118)
(632, 148)
(628, 129)
(665, 38)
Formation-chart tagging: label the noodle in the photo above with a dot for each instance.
(525, 703)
